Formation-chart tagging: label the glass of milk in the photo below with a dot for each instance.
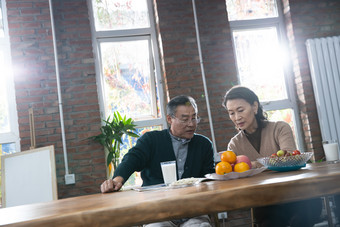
(331, 150)
(169, 172)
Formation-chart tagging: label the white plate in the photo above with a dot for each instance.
(185, 182)
(235, 175)
(150, 188)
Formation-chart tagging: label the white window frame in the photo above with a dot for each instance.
(13, 135)
(122, 35)
(290, 102)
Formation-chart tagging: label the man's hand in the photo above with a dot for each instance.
(112, 185)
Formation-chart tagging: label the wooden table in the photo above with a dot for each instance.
(129, 208)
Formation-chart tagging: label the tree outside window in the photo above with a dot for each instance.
(259, 43)
(127, 65)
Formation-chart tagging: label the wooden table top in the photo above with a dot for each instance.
(127, 208)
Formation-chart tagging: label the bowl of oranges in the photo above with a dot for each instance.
(233, 166)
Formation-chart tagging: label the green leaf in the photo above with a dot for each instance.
(132, 134)
(128, 121)
(112, 132)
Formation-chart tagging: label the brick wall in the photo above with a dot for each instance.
(81, 107)
(36, 87)
(182, 63)
(303, 22)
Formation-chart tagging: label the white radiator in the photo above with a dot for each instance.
(324, 61)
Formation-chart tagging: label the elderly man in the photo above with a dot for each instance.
(193, 154)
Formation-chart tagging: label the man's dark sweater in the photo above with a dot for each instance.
(155, 147)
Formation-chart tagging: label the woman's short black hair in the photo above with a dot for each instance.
(241, 92)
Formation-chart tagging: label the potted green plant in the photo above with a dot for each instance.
(111, 136)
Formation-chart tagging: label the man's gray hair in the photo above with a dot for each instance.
(181, 100)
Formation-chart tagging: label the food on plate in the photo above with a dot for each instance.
(185, 181)
(243, 158)
(281, 153)
(223, 167)
(241, 167)
(296, 152)
(275, 159)
(229, 160)
(289, 162)
(228, 156)
(273, 155)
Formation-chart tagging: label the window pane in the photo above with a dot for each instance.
(4, 121)
(251, 9)
(129, 82)
(7, 148)
(259, 60)
(283, 115)
(2, 32)
(128, 142)
(120, 14)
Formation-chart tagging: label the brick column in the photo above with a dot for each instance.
(36, 87)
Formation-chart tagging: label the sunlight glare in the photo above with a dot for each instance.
(267, 64)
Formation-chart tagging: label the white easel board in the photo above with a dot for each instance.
(28, 177)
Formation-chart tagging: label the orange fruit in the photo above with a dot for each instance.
(241, 167)
(223, 167)
(228, 156)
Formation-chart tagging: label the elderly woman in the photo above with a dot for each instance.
(258, 137)
(245, 111)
